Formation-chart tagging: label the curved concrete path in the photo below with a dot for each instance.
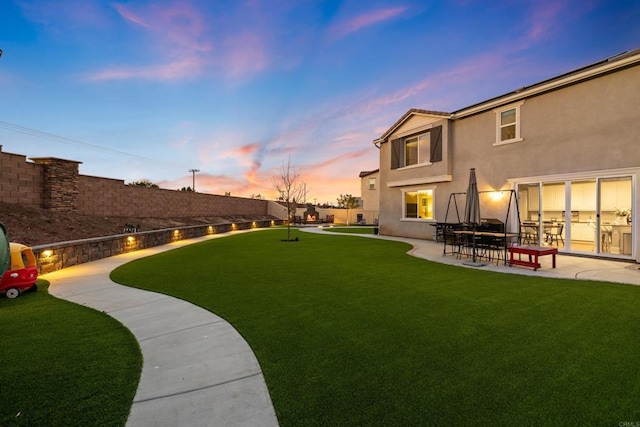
(197, 369)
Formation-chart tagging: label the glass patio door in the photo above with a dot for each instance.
(583, 216)
(615, 231)
(590, 215)
(553, 214)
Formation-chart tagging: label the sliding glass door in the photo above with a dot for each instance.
(589, 215)
(583, 216)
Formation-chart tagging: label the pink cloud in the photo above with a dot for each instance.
(178, 24)
(359, 22)
(244, 150)
(188, 67)
(544, 18)
(201, 46)
(245, 54)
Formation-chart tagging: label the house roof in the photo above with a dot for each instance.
(405, 117)
(609, 65)
(606, 66)
(366, 173)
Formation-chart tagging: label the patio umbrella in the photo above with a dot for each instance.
(472, 207)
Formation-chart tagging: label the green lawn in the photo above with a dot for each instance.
(352, 331)
(64, 364)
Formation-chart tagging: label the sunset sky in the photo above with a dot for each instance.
(149, 89)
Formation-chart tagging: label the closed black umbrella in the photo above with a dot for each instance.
(472, 207)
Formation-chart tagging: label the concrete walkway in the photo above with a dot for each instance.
(567, 266)
(197, 369)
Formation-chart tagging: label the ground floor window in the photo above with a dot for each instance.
(418, 204)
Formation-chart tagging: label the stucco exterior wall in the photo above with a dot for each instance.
(588, 126)
(392, 182)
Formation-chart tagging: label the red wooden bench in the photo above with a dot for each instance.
(534, 252)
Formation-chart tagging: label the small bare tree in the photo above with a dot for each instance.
(290, 189)
(349, 202)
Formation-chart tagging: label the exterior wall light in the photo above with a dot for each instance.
(47, 253)
(496, 195)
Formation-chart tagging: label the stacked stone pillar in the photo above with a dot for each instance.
(60, 183)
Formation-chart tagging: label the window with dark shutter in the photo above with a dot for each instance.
(436, 144)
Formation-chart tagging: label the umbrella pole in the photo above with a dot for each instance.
(473, 236)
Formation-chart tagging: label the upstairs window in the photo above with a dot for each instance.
(421, 149)
(372, 183)
(508, 124)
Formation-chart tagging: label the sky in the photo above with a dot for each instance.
(151, 89)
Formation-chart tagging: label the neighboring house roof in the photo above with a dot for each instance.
(614, 63)
(366, 173)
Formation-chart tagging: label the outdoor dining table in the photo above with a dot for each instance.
(502, 237)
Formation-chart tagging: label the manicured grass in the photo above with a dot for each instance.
(352, 331)
(64, 364)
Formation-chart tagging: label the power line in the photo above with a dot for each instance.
(64, 140)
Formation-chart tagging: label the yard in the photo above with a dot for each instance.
(64, 364)
(352, 331)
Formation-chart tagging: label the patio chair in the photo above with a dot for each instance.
(528, 233)
(554, 234)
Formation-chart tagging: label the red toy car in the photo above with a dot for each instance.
(22, 273)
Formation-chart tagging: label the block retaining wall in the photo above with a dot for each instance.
(56, 185)
(56, 256)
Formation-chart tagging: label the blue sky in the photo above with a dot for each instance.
(149, 89)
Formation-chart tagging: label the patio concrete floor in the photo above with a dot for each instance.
(567, 266)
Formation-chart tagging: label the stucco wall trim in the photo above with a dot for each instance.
(420, 181)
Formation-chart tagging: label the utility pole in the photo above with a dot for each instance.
(193, 171)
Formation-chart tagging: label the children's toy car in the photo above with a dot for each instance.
(22, 273)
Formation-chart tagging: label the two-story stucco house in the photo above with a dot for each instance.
(566, 151)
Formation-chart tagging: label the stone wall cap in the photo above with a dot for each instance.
(45, 159)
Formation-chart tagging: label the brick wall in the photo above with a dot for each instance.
(55, 184)
(111, 197)
(20, 181)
